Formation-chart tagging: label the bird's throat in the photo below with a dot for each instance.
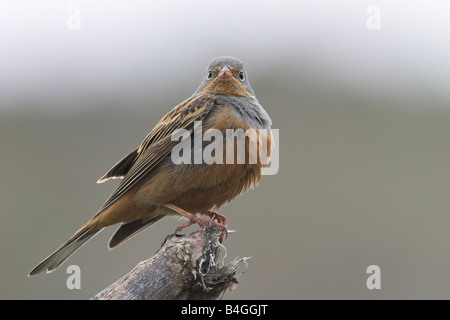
(226, 86)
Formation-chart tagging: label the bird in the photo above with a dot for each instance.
(152, 186)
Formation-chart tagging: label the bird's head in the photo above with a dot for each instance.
(226, 75)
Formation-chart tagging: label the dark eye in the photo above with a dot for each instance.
(209, 74)
(241, 75)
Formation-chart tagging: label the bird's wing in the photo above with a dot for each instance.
(157, 145)
(120, 169)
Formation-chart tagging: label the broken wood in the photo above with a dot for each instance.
(184, 268)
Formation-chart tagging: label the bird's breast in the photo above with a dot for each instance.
(227, 164)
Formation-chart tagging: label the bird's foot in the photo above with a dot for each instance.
(221, 222)
(216, 220)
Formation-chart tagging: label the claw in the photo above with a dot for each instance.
(221, 223)
(216, 220)
(192, 220)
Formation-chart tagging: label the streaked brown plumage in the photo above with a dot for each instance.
(153, 186)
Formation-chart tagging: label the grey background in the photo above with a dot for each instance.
(364, 120)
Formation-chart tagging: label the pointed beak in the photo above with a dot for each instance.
(225, 73)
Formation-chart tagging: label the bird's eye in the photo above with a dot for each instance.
(241, 75)
(209, 74)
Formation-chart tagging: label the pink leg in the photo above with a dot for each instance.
(220, 220)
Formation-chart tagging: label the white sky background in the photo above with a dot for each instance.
(143, 47)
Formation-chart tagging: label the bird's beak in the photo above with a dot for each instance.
(225, 73)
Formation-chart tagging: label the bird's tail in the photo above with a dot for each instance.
(54, 260)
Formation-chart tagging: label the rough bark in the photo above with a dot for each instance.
(185, 267)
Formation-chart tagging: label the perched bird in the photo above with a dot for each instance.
(153, 186)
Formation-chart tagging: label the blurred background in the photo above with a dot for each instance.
(360, 96)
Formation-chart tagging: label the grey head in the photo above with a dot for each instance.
(227, 78)
(234, 72)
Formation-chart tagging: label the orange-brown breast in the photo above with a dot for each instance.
(198, 188)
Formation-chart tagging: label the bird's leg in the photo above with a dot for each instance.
(201, 222)
(221, 223)
(218, 217)
(192, 217)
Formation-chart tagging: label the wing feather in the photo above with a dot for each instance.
(158, 144)
(121, 168)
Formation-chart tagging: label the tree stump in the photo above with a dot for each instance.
(184, 268)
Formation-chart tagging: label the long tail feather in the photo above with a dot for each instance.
(54, 260)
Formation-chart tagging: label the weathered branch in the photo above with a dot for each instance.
(185, 267)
